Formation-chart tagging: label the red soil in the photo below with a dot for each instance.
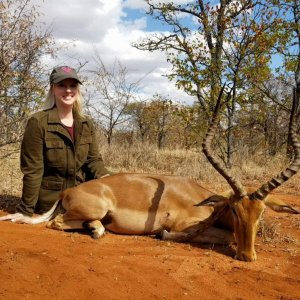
(41, 263)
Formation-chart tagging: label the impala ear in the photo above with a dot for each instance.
(215, 200)
(279, 205)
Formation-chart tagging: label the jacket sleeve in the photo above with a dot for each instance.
(94, 165)
(32, 166)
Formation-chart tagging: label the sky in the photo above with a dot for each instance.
(108, 28)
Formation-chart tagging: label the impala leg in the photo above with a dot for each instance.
(60, 223)
(172, 236)
(56, 223)
(213, 235)
(193, 230)
(181, 231)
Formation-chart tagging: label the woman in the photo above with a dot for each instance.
(59, 148)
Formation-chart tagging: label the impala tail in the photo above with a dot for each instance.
(20, 218)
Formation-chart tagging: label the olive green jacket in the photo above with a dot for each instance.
(52, 162)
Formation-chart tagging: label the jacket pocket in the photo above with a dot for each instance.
(86, 140)
(54, 144)
(55, 153)
(52, 185)
(83, 149)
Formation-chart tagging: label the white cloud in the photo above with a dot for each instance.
(86, 20)
(136, 4)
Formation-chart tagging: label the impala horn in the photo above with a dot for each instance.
(206, 147)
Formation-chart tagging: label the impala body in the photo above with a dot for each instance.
(173, 207)
(138, 203)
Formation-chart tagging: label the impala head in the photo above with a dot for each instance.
(248, 205)
(246, 215)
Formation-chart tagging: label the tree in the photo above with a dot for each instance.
(263, 122)
(212, 44)
(285, 39)
(22, 46)
(140, 118)
(289, 48)
(114, 92)
(190, 125)
(165, 123)
(152, 118)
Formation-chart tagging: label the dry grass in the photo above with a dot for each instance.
(143, 158)
(270, 233)
(11, 176)
(252, 171)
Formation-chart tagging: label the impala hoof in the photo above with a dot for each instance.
(246, 256)
(97, 235)
(159, 235)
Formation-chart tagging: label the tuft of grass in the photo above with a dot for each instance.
(10, 175)
(269, 233)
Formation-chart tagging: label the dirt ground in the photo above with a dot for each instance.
(41, 263)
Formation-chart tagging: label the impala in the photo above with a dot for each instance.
(173, 207)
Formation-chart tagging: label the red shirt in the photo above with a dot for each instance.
(71, 131)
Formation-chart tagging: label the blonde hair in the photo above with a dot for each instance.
(77, 107)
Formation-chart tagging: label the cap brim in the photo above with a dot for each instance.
(61, 78)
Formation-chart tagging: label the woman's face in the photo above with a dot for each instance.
(66, 92)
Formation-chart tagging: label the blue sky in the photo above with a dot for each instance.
(136, 14)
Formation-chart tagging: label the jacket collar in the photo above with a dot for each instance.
(54, 118)
(56, 125)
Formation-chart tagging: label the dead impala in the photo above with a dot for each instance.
(176, 208)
